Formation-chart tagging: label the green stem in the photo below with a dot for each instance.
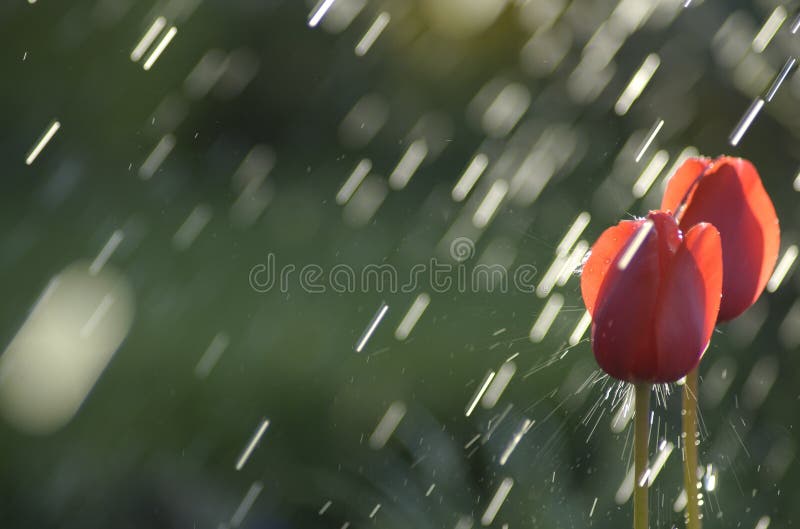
(641, 438)
(690, 450)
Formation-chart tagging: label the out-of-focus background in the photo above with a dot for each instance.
(219, 219)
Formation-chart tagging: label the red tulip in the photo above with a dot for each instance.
(652, 319)
(727, 192)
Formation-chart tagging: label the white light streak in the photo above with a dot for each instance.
(784, 265)
(649, 139)
(769, 29)
(387, 425)
(623, 414)
(680, 502)
(97, 315)
(574, 231)
(191, 227)
(633, 246)
(594, 504)
(551, 276)
(490, 203)
(497, 501)
(63, 347)
(365, 201)
(472, 441)
(637, 84)
(763, 522)
(364, 120)
(788, 66)
(205, 74)
(546, 318)
(650, 173)
(408, 164)
(494, 424)
(580, 328)
(319, 13)
(211, 355)
(245, 455)
(375, 510)
(160, 47)
(710, 479)
(43, 141)
(148, 38)
(470, 177)
(479, 393)
(796, 183)
(353, 181)
(658, 464)
(108, 249)
(717, 381)
(44, 297)
(372, 34)
(247, 503)
(532, 176)
(746, 121)
(758, 384)
(157, 157)
(376, 320)
(464, 522)
(523, 429)
(498, 385)
(412, 316)
(325, 507)
(626, 488)
(795, 24)
(573, 262)
(505, 111)
(644, 479)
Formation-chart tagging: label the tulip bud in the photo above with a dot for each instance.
(654, 297)
(727, 192)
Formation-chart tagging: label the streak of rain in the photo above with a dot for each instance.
(337, 135)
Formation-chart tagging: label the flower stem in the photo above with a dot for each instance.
(641, 438)
(690, 450)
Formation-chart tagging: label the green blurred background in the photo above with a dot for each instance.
(155, 444)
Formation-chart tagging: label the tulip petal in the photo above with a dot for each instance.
(688, 303)
(731, 197)
(669, 237)
(622, 330)
(681, 185)
(603, 253)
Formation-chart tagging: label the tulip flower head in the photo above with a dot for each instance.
(727, 192)
(654, 296)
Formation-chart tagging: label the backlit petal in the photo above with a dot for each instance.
(603, 253)
(688, 303)
(622, 330)
(681, 184)
(670, 237)
(731, 197)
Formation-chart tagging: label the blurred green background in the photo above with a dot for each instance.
(269, 118)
